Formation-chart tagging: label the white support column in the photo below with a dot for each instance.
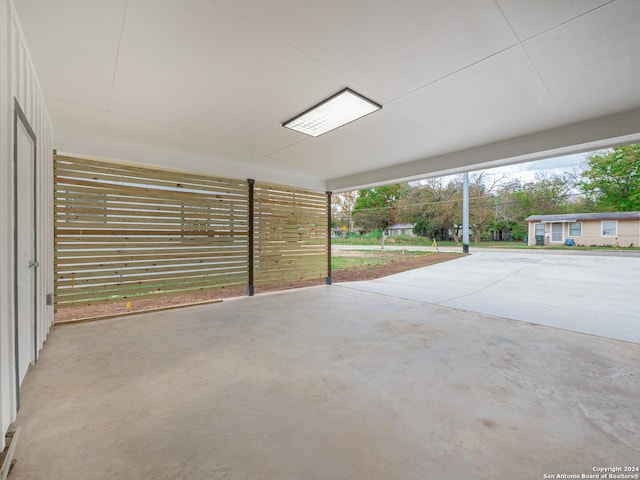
(465, 213)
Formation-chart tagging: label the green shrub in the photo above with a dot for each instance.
(373, 235)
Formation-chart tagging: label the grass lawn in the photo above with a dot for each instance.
(396, 240)
(505, 244)
(341, 263)
(367, 258)
(423, 241)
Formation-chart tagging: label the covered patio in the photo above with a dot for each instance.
(326, 382)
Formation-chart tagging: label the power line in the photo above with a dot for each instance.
(424, 204)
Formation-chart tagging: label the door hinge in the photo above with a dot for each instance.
(34, 264)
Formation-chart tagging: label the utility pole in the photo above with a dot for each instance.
(465, 213)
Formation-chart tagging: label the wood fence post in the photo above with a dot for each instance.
(328, 280)
(250, 288)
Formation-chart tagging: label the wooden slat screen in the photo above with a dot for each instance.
(291, 234)
(125, 232)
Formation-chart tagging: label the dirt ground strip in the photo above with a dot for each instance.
(397, 262)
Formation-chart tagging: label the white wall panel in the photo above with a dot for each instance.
(18, 80)
(5, 310)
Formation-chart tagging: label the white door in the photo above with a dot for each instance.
(25, 247)
(556, 232)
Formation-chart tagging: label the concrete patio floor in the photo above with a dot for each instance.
(326, 383)
(589, 292)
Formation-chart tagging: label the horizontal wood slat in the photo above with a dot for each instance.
(125, 232)
(122, 171)
(110, 274)
(90, 200)
(131, 292)
(291, 237)
(153, 259)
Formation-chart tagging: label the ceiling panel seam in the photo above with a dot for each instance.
(524, 40)
(450, 74)
(67, 47)
(155, 124)
(115, 70)
(69, 102)
(274, 152)
(531, 64)
(295, 47)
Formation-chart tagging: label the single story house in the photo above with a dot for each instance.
(502, 234)
(616, 228)
(337, 233)
(401, 229)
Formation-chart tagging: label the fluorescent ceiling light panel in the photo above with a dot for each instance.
(342, 108)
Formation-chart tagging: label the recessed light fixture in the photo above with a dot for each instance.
(338, 110)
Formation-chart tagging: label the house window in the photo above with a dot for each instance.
(610, 228)
(575, 229)
(539, 229)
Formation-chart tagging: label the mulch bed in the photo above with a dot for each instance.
(397, 263)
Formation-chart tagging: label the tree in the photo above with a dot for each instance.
(482, 190)
(510, 207)
(425, 226)
(613, 178)
(375, 207)
(547, 194)
(436, 204)
(433, 204)
(417, 207)
(341, 210)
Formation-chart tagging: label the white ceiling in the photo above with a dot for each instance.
(205, 85)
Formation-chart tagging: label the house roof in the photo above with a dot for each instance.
(205, 85)
(398, 226)
(582, 217)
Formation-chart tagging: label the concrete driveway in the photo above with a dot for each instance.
(594, 294)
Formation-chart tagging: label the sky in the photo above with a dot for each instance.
(527, 171)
